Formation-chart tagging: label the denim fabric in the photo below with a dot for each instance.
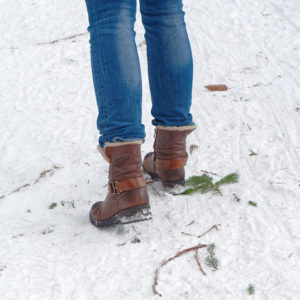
(116, 68)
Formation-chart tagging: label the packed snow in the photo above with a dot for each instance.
(48, 156)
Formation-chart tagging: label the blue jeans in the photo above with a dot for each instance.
(116, 68)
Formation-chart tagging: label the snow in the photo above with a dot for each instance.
(48, 118)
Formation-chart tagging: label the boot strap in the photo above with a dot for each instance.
(117, 187)
(176, 163)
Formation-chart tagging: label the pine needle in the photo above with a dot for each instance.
(228, 179)
(195, 180)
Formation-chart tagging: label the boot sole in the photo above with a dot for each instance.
(125, 216)
(169, 184)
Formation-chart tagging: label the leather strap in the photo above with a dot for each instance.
(177, 163)
(117, 187)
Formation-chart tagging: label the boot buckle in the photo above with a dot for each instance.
(112, 185)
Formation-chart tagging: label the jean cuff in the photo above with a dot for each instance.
(118, 139)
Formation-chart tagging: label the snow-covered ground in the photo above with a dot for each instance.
(48, 154)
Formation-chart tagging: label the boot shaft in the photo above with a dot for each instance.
(170, 142)
(125, 161)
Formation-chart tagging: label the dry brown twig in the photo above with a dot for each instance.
(195, 248)
(201, 235)
(190, 223)
(210, 229)
(151, 181)
(42, 175)
(189, 234)
(164, 262)
(236, 198)
(198, 262)
(204, 171)
(154, 189)
(193, 147)
(49, 173)
(71, 37)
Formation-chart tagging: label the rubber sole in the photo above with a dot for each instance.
(125, 216)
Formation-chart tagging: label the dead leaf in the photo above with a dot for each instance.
(217, 87)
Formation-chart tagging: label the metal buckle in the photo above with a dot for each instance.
(113, 188)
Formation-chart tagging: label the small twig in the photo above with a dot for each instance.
(42, 175)
(236, 198)
(210, 173)
(154, 189)
(252, 153)
(155, 283)
(176, 194)
(198, 262)
(45, 173)
(121, 244)
(63, 39)
(186, 233)
(218, 191)
(151, 181)
(193, 147)
(20, 188)
(164, 262)
(190, 223)
(210, 229)
(201, 235)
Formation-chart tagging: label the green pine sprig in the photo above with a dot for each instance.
(228, 179)
(204, 183)
(195, 180)
(211, 260)
(251, 289)
(52, 205)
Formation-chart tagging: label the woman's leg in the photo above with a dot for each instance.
(170, 62)
(170, 69)
(116, 70)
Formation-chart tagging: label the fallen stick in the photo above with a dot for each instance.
(164, 262)
(210, 229)
(189, 234)
(63, 39)
(154, 189)
(42, 175)
(201, 235)
(204, 171)
(198, 262)
(151, 181)
(190, 223)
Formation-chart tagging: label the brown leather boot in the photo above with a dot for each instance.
(169, 157)
(127, 200)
